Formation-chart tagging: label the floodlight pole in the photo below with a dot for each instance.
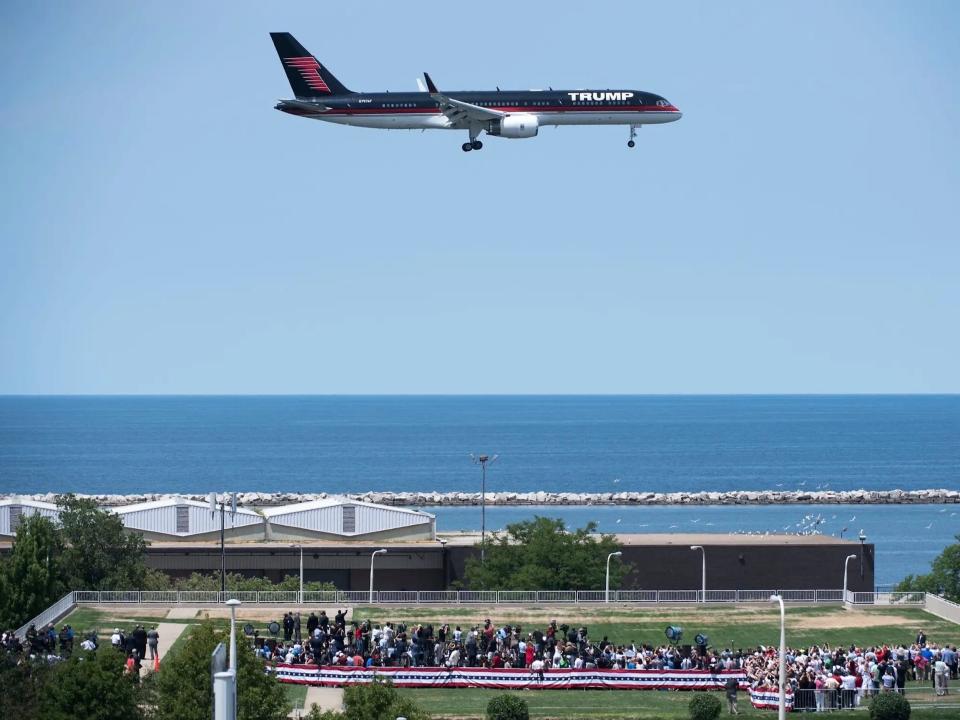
(606, 592)
(703, 581)
(223, 550)
(483, 461)
(372, 556)
(782, 703)
(845, 564)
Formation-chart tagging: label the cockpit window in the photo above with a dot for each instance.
(663, 103)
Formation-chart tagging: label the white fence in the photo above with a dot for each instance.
(942, 608)
(53, 613)
(488, 597)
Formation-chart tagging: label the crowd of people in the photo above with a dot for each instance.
(48, 644)
(822, 677)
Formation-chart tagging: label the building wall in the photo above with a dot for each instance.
(732, 567)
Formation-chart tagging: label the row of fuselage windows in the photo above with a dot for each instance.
(541, 103)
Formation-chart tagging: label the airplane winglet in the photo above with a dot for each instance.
(430, 86)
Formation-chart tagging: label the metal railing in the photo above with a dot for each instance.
(53, 613)
(490, 597)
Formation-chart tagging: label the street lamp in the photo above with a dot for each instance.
(863, 539)
(300, 596)
(845, 564)
(606, 594)
(782, 706)
(703, 582)
(372, 556)
(233, 603)
(483, 461)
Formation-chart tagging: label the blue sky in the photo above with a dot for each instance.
(164, 230)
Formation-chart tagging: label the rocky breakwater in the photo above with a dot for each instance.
(454, 499)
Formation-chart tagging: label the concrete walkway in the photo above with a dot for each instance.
(169, 632)
(325, 698)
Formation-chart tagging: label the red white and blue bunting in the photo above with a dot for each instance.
(515, 678)
(769, 699)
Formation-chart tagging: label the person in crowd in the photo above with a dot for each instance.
(153, 642)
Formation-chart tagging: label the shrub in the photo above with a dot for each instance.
(507, 707)
(704, 706)
(889, 706)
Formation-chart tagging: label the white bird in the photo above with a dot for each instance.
(696, 520)
(929, 526)
(853, 518)
(618, 521)
(674, 526)
(616, 480)
(944, 510)
(708, 524)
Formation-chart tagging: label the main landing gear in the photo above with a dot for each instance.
(633, 134)
(474, 144)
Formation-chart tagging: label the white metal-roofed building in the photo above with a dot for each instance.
(341, 518)
(13, 510)
(178, 518)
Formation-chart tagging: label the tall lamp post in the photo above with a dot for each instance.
(863, 539)
(846, 563)
(372, 556)
(483, 461)
(300, 596)
(606, 593)
(703, 580)
(782, 704)
(233, 603)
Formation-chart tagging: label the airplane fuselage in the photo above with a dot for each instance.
(418, 110)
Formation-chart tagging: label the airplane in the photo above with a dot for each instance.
(498, 113)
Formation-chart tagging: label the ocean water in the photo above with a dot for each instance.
(566, 443)
(907, 537)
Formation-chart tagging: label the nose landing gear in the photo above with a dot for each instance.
(633, 134)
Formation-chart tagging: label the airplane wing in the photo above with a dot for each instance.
(460, 112)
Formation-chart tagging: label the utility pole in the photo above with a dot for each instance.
(483, 461)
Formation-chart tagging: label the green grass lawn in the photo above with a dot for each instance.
(639, 704)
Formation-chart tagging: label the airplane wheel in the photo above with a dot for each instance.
(466, 147)
(476, 144)
(630, 143)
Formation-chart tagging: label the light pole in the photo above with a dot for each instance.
(606, 594)
(300, 596)
(232, 603)
(703, 581)
(845, 564)
(483, 461)
(863, 539)
(782, 706)
(372, 556)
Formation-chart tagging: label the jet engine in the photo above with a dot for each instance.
(523, 125)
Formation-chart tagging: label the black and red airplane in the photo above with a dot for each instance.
(501, 113)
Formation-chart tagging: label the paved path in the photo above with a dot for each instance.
(325, 698)
(169, 632)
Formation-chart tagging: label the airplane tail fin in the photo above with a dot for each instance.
(307, 76)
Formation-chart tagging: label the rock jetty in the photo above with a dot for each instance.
(454, 499)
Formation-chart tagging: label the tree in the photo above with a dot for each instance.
(93, 686)
(31, 578)
(540, 554)
(100, 554)
(378, 700)
(22, 686)
(183, 690)
(943, 578)
(889, 706)
(704, 706)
